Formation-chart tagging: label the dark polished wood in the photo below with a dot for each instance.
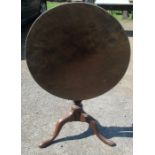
(77, 51)
(77, 114)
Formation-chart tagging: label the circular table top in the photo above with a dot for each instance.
(77, 51)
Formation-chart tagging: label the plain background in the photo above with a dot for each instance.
(144, 77)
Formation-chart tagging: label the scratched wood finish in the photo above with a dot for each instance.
(77, 51)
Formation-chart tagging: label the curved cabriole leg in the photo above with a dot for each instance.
(58, 127)
(93, 124)
(77, 114)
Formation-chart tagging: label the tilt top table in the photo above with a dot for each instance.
(77, 51)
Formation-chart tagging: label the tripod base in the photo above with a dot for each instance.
(77, 114)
